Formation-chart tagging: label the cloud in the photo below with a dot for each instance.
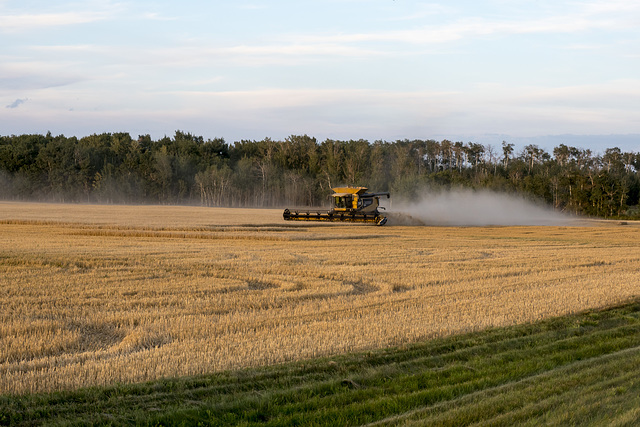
(31, 21)
(381, 114)
(37, 75)
(154, 16)
(17, 103)
(596, 15)
(423, 11)
(607, 6)
(27, 22)
(291, 48)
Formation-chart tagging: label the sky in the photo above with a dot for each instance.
(481, 71)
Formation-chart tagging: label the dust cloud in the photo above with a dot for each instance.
(471, 208)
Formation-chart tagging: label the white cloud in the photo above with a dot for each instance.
(583, 17)
(195, 55)
(607, 6)
(27, 22)
(36, 74)
(303, 48)
(154, 16)
(422, 11)
(623, 94)
(27, 18)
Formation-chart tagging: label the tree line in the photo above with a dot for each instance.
(300, 171)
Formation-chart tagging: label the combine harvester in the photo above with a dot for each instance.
(350, 204)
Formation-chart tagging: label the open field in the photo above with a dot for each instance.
(574, 370)
(94, 295)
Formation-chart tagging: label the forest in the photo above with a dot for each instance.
(300, 171)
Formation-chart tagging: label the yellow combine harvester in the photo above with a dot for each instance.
(350, 204)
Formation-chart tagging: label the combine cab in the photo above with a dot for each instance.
(350, 204)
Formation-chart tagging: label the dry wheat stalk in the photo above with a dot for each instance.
(101, 294)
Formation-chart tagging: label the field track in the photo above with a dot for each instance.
(97, 295)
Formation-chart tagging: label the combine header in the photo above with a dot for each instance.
(350, 204)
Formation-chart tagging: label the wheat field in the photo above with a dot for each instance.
(96, 295)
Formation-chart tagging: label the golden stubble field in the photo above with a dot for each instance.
(93, 295)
